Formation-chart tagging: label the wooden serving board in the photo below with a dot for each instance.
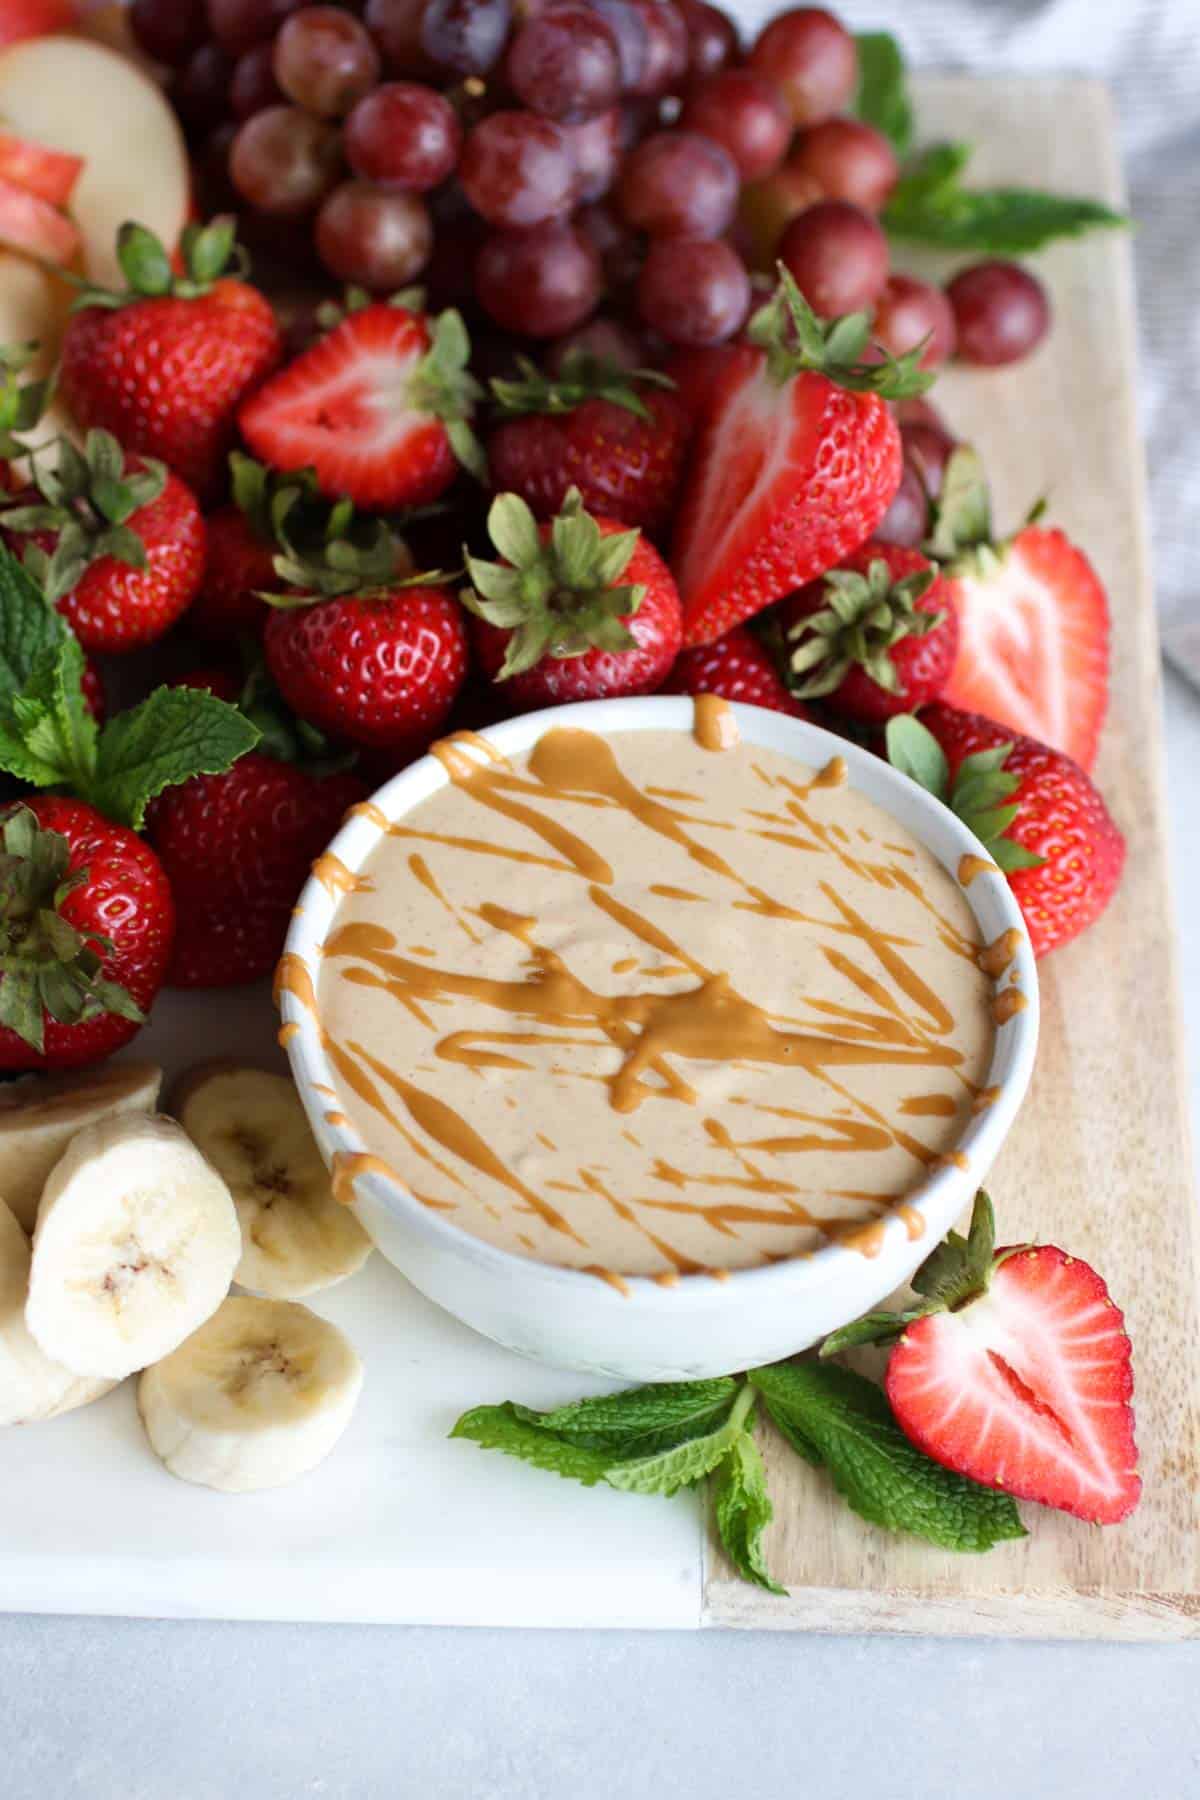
(1100, 1159)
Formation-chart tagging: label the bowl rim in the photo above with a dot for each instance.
(937, 1199)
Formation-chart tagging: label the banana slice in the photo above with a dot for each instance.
(31, 1386)
(296, 1237)
(259, 1395)
(40, 1114)
(136, 1243)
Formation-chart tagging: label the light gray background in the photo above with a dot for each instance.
(151, 1711)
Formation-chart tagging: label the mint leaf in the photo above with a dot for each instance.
(929, 206)
(877, 1471)
(882, 98)
(28, 626)
(743, 1512)
(641, 1421)
(686, 1463)
(174, 734)
(913, 749)
(51, 719)
(503, 1428)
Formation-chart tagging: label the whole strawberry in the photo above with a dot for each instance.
(86, 925)
(796, 463)
(117, 545)
(1037, 812)
(737, 667)
(378, 408)
(240, 566)
(580, 609)
(165, 365)
(874, 637)
(617, 435)
(228, 945)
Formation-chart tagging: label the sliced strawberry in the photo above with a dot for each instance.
(378, 408)
(1015, 1372)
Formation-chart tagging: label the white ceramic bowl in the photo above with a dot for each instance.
(700, 1326)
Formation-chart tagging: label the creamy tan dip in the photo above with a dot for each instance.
(655, 1003)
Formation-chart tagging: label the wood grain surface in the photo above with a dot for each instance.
(1100, 1161)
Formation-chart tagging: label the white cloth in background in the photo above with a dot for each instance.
(1148, 51)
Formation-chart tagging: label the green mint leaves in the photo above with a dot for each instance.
(883, 1477)
(742, 1509)
(980, 794)
(929, 205)
(49, 739)
(882, 99)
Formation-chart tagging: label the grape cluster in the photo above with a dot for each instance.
(537, 160)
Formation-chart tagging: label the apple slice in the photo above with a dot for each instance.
(34, 18)
(33, 225)
(34, 306)
(52, 174)
(78, 97)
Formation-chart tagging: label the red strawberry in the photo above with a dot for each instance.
(795, 466)
(737, 667)
(227, 946)
(247, 837)
(75, 993)
(1033, 647)
(874, 637)
(117, 546)
(378, 407)
(1039, 815)
(581, 609)
(92, 687)
(590, 428)
(240, 567)
(1015, 1371)
(212, 679)
(166, 367)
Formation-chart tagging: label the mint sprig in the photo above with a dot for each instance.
(930, 205)
(980, 794)
(742, 1509)
(882, 99)
(49, 739)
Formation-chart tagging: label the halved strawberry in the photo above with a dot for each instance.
(378, 407)
(1033, 621)
(796, 463)
(1014, 1371)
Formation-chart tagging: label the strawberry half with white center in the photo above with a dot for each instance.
(118, 546)
(1033, 646)
(164, 365)
(580, 609)
(1037, 813)
(796, 463)
(874, 637)
(379, 408)
(618, 435)
(737, 667)
(1014, 1369)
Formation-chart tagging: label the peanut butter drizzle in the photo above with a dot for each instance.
(348, 1165)
(714, 725)
(610, 1276)
(424, 874)
(336, 1119)
(287, 1032)
(835, 774)
(986, 1097)
(1007, 1004)
(914, 1224)
(321, 1087)
(336, 878)
(674, 893)
(925, 1106)
(970, 866)
(953, 1159)
(995, 959)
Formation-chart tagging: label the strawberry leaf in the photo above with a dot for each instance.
(742, 1508)
(581, 376)
(962, 513)
(795, 340)
(913, 749)
(980, 792)
(174, 734)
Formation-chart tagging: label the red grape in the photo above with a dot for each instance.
(565, 65)
(465, 35)
(712, 39)
(169, 30)
(678, 184)
(745, 115)
(693, 290)
(200, 89)
(906, 520)
(283, 161)
(848, 160)
(1001, 310)
(837, 255)
(811, 58)
(915, 409)
(928, 448)
(621, 251)
(608, 339)
(596, 152)
(253, 87)
(768, 207)
(517, 170)
(630, 36)
(540, 283)
(666, 48)
(908, 311)
(404, 135)
(376, 236)
(325, 60)
(396, 27)
(212, 189)
(237, 25)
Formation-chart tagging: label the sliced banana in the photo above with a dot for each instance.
(296, 1238)
(136, 1243)
(259, 1395)
(40, 1114)
(31, 1386)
